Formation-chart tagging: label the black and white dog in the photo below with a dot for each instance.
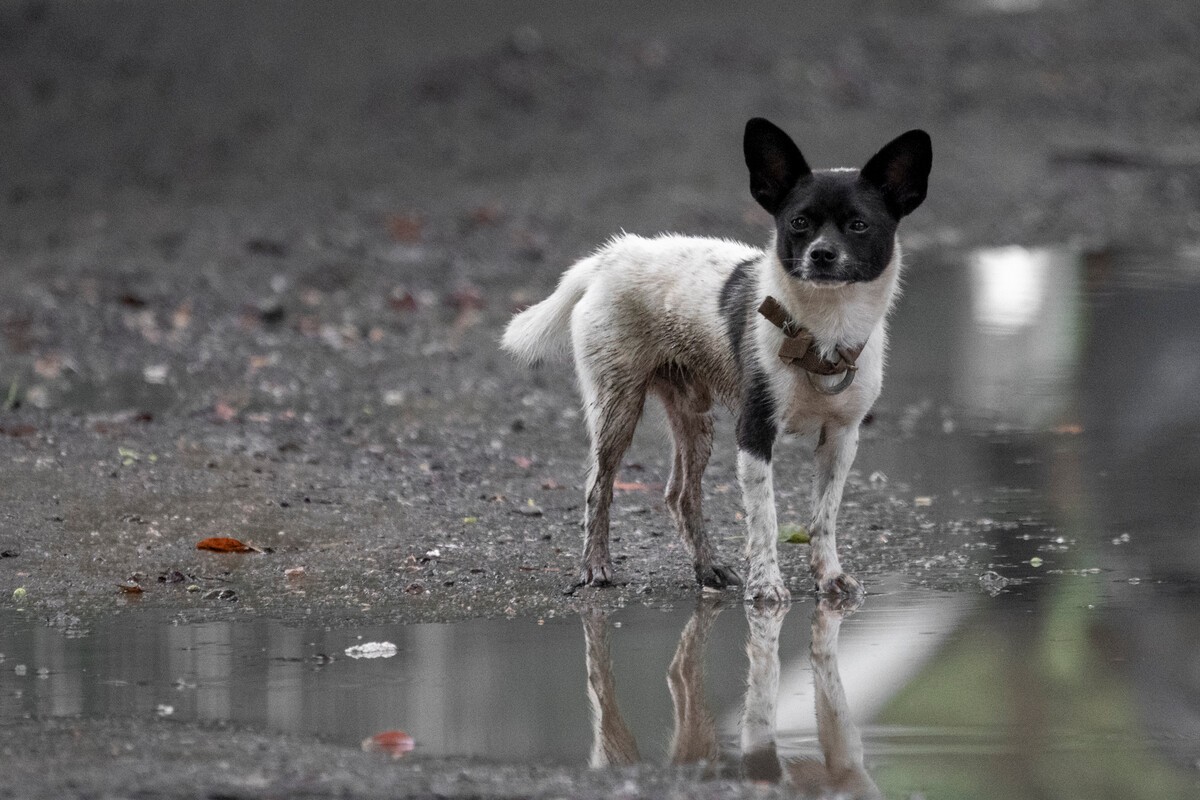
(792, 337)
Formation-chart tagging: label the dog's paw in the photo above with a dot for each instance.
(840, 585)
(767, 592)
(833, 605)
(717, 577)
(765, 618)
(600, 575)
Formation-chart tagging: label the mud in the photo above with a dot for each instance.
(256, 258)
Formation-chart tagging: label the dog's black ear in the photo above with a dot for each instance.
(901, 171)
(775, 163)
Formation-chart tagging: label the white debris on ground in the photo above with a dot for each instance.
(372, 650)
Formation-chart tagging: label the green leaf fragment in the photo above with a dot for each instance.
(794, 534)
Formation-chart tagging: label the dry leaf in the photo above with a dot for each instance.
(487, 214)
(467, 297)
(625, 486)
(394, 743)
(406, 227)
(224, 544)
(403, 300)
(130, 588)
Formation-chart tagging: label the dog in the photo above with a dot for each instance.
(790, 338)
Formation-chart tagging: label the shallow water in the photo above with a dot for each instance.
(1048, 423)
(1068, 684)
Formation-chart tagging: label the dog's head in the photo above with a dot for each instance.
(835, 226)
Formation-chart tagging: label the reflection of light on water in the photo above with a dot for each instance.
(1010, 285)
(880, 649)
(1005, 6)
(1020, 351)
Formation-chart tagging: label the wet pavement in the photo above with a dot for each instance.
(1044, 647)
(255, 263)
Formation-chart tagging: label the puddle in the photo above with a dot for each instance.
(1070, 685)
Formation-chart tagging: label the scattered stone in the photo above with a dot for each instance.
(993, 582)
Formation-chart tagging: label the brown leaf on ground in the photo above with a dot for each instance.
(130, 588)
(402, 299)
(486, 214)
(18, 431)
(224, 544)
(467, 297)
(632, 486)
(407, 227)
(224, 412)
(394, 743)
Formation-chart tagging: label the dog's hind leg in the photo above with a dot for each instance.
(613, 404)
(695, 735)
(688, 409)
(613, 744)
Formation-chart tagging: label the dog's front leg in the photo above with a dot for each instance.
(758, 496)
(756, 438)
(760, 758)
(840, 739)
(836, 449)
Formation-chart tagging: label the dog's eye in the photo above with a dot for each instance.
(800, 224)
(858, 226)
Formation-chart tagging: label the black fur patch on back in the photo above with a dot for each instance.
(756, 422)
(735, 301)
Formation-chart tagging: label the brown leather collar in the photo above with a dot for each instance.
(799, 345)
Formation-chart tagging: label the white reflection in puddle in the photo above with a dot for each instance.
(881, 653)
(1010, 286)
(1019, 356)
(1004, 6)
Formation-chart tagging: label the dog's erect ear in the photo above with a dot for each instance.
(775, 163)
(901, 171)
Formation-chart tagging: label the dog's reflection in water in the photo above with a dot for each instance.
(839, 773)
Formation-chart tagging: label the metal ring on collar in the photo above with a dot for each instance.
(837, 388)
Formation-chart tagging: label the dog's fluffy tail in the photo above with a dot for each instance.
(543, 332)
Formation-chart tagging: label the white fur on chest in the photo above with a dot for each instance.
(845, 315)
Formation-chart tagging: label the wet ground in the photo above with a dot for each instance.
(256, 258)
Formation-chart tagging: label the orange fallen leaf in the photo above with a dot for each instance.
(130, 588)
(406, 227)
(224, 544)
(624, 486)
(395, 743)
(1069, 429)
(524, 462)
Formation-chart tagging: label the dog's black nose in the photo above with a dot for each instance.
(823, 256)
